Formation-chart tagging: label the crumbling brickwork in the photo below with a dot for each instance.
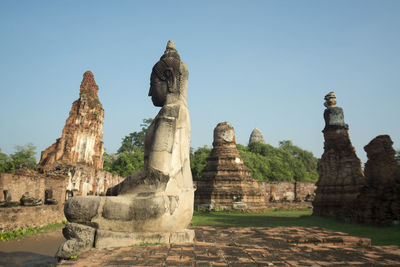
(81, 139)
(226, 183)
(340, 175)
(379, 200)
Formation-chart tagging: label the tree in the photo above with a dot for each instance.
(397, 157)
(286, 163)
(6, 164)
(24, 157)
(198, 161)
(135, 140)
(130, 156)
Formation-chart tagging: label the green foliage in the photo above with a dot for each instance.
(380, 236)
(124, 164)
(397, 157)
(135, 140)
(24, 157)
(6, 163)
(4, 236)
(130, 156)
(198, 161)
(267, 163)
(286, 163)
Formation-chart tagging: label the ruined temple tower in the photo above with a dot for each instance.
(226, 183)
(379, 200)
(340, 175)
(81, 139)
(256, 136)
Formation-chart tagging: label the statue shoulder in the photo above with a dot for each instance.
(169, 111)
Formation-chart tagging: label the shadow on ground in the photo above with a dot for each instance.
(28, 259)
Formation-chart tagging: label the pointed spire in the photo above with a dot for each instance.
(256, 136)
(88, 85)
(170, 50)
(171, 45)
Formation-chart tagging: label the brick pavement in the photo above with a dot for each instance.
(251, 246)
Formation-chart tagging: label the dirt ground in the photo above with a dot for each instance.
(251, 246)
(216, 246)
(33, 250)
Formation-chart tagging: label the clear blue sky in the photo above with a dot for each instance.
(264, 64)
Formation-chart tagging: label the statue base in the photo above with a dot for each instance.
(110, 239)
(82, 238)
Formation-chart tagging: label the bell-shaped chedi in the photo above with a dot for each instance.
(340, 174)
(379, 201)
(226, 183)
(81, 139)
(154, 205)
(256, 136)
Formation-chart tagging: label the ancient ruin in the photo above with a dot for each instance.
(70, 167)
(226, 183)
(379, 200)
(256, 136)
(81, 139)
(154, 205)
(340, 175)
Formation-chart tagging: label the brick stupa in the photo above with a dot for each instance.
(379, 201)
(340, 175)
(226, 183)
(81, 139)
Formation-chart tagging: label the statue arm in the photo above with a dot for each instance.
(161, 147)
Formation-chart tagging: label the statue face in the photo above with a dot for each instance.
(158, 90)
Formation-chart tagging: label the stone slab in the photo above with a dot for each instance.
(110, 239)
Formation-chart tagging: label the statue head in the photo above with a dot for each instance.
(330, 100)
(168, 80)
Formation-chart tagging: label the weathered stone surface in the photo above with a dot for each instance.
(7, 195)
(79, 238)
(159, 198)
(340, 175)
(48, 197)
(226, 183)
(379, 200)
(81, 209)
(27, 200)
(84, 180)
(81, 140)
(256, 136)
(108, 239)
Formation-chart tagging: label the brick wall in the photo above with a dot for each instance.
(22, 181)
(75, 179)
(280, 191)
(286, 195)
(37, 216)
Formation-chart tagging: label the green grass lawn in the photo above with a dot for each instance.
(5, 236)
(380, 236)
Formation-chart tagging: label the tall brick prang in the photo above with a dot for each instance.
(340, 175)
(81, 139)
